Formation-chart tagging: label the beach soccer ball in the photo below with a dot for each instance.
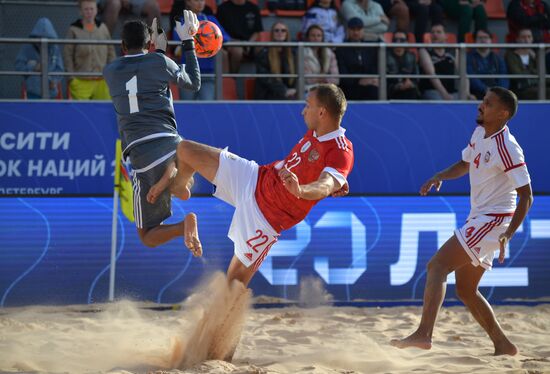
(208, 40)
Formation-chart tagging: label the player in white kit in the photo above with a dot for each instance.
(498, 176)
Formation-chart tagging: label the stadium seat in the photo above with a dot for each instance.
(289, 13)
(249, 87)
(451, 38)
(495, 9)
(165, 6)
(265, 36)
(229, 89)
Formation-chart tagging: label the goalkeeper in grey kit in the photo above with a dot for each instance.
(139, 84)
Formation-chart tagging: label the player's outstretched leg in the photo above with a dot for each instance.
(196, 157)
(191, 234)
(450, 257)
(467, 281)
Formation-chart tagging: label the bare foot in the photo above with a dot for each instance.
(506, 348)
(191, 234)
(156, 190)
(179, 190)
(413, 340)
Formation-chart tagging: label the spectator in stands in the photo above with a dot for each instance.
(529, 14)
(206, 65)
(371, 14)
(88, 57)
(323, 13)
(484, 61)
(438, 61)
(423, 11)
(276, 60)
(401, 61)
(29, 59)
(358, 61)
(319, 60)
(523, 61)
(177, 10)
(466, 11)
(397, 10)
(141, 8)
(242, 21)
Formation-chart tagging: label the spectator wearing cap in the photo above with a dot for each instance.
(370, 13)
(484, 61)
(358, 61)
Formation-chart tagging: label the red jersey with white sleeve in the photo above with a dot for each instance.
(331, 153)
(497, 168)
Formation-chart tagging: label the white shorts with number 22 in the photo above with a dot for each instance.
(250, 232)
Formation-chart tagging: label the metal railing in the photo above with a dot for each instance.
(300, 75)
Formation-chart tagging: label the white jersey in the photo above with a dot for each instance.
(497, 168)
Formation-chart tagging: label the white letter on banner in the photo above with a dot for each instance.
(82, 168)
(50, 169)
(4, 141)
(61, 141)
(3, 168)
(98, 165)
(358, 266)
(66, 173)
(411, 225)
(43, 136)
(32, 167)
(13, 166)
(287, 248)
(25, 141)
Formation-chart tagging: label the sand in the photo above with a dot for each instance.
(126, 338)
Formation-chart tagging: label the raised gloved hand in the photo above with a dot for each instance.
(158, 36)
(189, 27)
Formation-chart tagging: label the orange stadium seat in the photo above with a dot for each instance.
(165, 6)
(229, 89)
(289, 13)
(264, 36)
(495, 9)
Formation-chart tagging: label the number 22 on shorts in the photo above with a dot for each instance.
(259, 242)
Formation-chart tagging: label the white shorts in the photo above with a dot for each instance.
(250, 232)
(479, 237)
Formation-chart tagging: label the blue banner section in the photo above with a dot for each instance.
(57, 251)
(68, 148)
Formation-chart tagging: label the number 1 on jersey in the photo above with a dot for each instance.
(131, 87)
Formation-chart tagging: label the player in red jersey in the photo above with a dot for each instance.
(271, 198)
